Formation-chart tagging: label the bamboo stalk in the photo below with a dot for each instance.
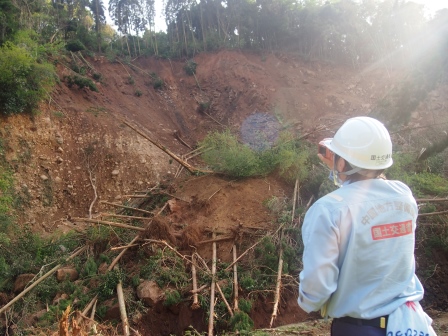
(122, 306)
(174, 196)
(431, 199)
(277, 288)
(122, 216)
(162, 242)
(126, 207)
(432, 213)
(216, 240)
(118, 257)
(217, 286)
(280, 261)
(111, 267)
(242, 255)
(287, 331)
(95, 193)
(200, 289)
(189, 167)
(295, 200)
(38, 281)
(188, 155)
(214, 194)
(212, 291)
(250, 248)
(90, 305)
(96, 221)
(195, 304)
(177, 136)
(122, 247)
(235, 281)
(92, 314)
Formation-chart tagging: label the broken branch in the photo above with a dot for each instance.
(96, 221)
(195, 304)
(235, 281)
(189, 167)
(216, 240)
(38, 281)
(126, 207)
(122, 216)
(212, 291)
(122, 306)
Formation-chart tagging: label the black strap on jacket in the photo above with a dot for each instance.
(379, 322)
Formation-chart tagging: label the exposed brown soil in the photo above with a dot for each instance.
(80, 132)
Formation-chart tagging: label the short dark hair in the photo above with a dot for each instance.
(357, 176)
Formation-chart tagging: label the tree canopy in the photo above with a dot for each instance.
(346, 31)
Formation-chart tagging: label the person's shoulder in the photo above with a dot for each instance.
(335, 196)
(397, 184)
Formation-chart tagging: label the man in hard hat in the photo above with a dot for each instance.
(358, 260)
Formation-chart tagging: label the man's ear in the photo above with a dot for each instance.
(340, 165)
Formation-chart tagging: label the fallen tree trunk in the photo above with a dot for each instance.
(189, 167)
(129, 208)
(212, 292)
(96, 221)
(195, 304)
(122, 306)
(235, 281)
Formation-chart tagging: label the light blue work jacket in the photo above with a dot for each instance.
(358, 259)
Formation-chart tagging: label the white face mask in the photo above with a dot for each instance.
(334, 174)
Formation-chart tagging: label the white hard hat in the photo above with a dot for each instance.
(364, 142)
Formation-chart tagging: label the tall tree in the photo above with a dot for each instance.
(97, 8)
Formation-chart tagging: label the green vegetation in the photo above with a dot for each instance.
(228, 156)
(156, 81)
(190, 67)
(167, 269)
(242, 323)
(351, 33)
(81, 82)
(172, 297)
(36, 36)
(24, 81)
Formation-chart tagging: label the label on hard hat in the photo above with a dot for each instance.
(380, 159)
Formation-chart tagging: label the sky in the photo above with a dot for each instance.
(432, 6)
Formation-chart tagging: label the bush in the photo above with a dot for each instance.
(228, 156)
(241, 322)
(245, 305)
(157, 82)
(109, 284)
(81, 82)
(23, 81)
(172, 298)
(190, 67)
(75, 45)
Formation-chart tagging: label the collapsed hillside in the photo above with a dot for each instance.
(79, 145)
(78, 126)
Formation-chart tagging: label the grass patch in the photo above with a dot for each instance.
(97, 110)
